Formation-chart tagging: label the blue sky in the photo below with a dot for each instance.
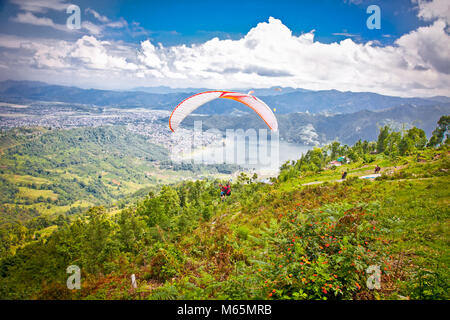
(174, 22)
(197, 20)
(311, 44)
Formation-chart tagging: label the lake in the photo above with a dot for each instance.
(264, 159)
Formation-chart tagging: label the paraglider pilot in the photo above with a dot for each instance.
(225, 191)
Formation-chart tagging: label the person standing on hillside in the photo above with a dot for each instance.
(377, 169)
(344, 175)
(225, 191)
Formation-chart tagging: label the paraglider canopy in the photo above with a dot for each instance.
(188, 105)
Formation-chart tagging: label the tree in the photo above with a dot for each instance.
(170, 200)
(159, 209)
(131, 230)
(97, 245)
(382, 139)
(316, 158)
(440, 131)
(418, 137)
(335, 147)
(392, 143)
(151, 207)
(406, 145)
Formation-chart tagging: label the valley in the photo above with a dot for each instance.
(71, 171)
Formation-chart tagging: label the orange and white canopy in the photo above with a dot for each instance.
(188, 105)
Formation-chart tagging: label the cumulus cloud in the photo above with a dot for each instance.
(87, 53)
(437, 9)
(428, 46)
(270, 54)
(94, 54)
(417, 64)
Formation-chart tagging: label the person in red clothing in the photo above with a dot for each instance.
(225, 191)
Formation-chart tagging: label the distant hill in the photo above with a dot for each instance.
(23, 91)
(307, 128)
(440, 99)
(285, 100)
(337, 102)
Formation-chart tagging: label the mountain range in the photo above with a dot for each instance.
(283, 100)
(304, 116)
(312, 129)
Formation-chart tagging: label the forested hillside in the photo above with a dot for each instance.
(306, 235)
(63, 170)
(48, 176)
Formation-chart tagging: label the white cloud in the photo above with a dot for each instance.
(121, 23)
(97, 15)
(48, 57)
(41, 6)
(87, 53)
(428, 46)
(417, 64)
(95, 54)
(437, 9)
(149, 56)
(30, 18)
(270, 55)
(117, 24)
(92, 28)
(350, 35)
(10, 41)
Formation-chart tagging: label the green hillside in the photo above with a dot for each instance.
(52, 172)
(286, 240)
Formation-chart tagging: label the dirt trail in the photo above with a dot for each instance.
(372, 176)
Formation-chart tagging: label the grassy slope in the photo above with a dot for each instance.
(271, 241)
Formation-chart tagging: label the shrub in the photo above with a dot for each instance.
(165, 262)
(320, 255)
(242, 232)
